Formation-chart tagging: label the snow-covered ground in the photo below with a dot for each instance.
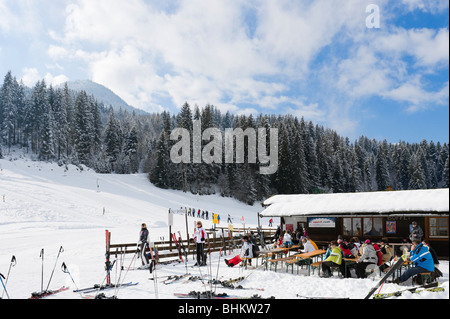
(44, 206)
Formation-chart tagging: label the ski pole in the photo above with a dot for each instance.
(3, 284)
(42, 274)
(217, 275)
(12, 264)
(66, 271)
(155, 276)
(120, 283)
(61, 250)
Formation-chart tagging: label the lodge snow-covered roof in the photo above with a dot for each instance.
(426, 202)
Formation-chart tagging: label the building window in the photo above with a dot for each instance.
(438, 227)
(367, 226)
(352, 226)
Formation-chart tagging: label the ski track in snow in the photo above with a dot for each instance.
(47, 206)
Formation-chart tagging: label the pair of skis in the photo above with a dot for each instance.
(433, 287)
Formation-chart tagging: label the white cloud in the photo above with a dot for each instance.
(417, 97)
(429, 47)
(57, 52)
(203, 50)
(31, 76)
(432, 6)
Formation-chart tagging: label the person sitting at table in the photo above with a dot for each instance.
(246, 252)
(287, 240)
(307, 246)
(368, 257)
(387, 252)
(343, 245)
(421, 259)
(334, 259)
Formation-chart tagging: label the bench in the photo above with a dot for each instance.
(425, 278)
(276, 261)
(296, 261)
(318, 265)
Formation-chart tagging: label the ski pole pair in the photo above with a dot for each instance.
(12, 264)
(61, 250)
(3, 284)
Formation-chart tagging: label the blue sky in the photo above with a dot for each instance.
(316, 59)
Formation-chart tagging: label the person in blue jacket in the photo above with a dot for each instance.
(421, 259)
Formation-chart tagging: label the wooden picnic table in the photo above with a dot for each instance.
(309, 256)
(278, 251)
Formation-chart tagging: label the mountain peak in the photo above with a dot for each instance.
(102, 94)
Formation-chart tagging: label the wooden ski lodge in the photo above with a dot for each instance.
(367, 215)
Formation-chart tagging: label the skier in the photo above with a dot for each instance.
(369, 257)
(422, 260)
(143, 244)
(334, 257)
(270, 222)
(199, 239)
(246, 251)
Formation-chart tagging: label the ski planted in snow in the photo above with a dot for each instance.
(108, 256)
(43, 294)
(391, 271)
(433, 287)
(177, 244)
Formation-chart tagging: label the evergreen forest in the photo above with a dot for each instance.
(68, 127)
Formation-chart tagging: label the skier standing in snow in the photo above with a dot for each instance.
(143, 244)
(199, 239)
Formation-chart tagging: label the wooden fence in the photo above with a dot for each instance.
(215, 241)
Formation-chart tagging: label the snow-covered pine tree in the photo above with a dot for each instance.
(416, 172)
(113, 140)
(83, 127)
(8, 109)
(46, 151)
(445, 174)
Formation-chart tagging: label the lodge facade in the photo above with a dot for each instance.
(370, 215)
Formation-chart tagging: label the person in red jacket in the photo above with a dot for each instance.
(345, 249)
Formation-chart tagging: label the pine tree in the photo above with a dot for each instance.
(46, 151)
(83, 128)
(381, 167)
(445, 174)
(113, 141)
(131, 150)
(8, 109)
(416, 172)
